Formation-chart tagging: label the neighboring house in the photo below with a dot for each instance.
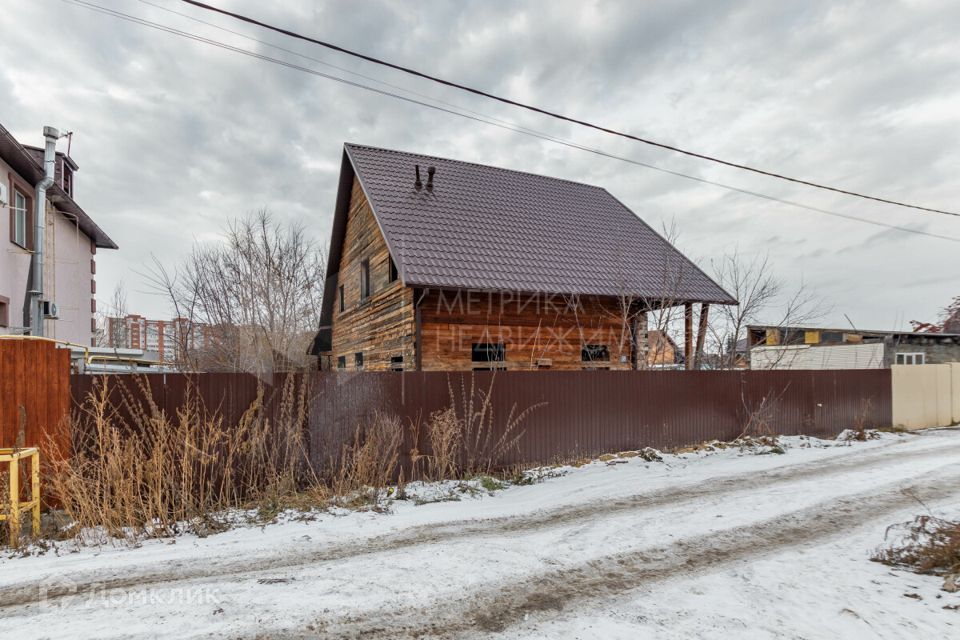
(662, 351)
(438, 264)
(822, 348)
(67, 255)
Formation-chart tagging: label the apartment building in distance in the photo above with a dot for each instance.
(164, 340)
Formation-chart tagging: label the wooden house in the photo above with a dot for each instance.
(438, 264)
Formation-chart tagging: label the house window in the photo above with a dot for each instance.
(4, 311)
(595, 353)
(358, 360)
(392, 273)
(911, 358)
(342, 362)
(340, 293)
(492, 353)
(396, 363)
(364, 279)
(19, 219)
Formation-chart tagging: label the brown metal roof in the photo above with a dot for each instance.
(22, 160)
(488, 228)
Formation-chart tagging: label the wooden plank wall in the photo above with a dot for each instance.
(381, 326)
(34, 394)
(538, 330)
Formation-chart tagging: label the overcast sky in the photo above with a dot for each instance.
(175, 137)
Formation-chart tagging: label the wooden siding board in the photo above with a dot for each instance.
(552, 329)
(382, 325)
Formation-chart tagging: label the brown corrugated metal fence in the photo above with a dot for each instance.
(575, 413)
(584, 413)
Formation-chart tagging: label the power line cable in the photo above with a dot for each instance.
(558, 116)
(501, 124)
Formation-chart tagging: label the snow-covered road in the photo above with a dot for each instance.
(698, 546)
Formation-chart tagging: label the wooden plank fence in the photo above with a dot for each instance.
(34, 393)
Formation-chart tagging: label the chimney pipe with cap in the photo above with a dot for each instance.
(51, 135)
(417, 185)
(430, 172)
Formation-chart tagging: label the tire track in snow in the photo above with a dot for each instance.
(28, 592)
(499, 606)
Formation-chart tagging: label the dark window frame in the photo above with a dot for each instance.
(595, 353)
(365, 285)
(341, 362)
(396, 363)
(488, 352)
(392, 273)
(27, 219)
(358, 360)
(343, 306)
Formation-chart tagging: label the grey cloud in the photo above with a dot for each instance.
(174, 138)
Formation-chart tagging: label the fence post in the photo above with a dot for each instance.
(14, 510)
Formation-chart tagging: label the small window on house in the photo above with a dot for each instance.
(358, 360)
(911, 358)
(342, 362)
(340, 294)
(396, 363)
(4, 311)
(392, 273)
(67, 180)
(493, 353)
(364, 279)
(19, 230)
(595, 353)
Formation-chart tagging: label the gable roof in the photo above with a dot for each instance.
(495, 229)
(22, 159)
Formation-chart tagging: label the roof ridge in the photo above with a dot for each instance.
(476, 164)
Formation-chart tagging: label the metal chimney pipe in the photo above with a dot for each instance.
(417, 184)
(51, 135)
(430, 172)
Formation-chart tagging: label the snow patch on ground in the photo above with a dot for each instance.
(443, 567)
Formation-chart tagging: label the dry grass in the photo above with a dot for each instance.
(133, 471)
(927, 544)
(136, 472)
(367, 466)
(445, 432)
(485, 441)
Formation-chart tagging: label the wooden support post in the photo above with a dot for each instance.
(35, 491)
(688, 336)
(701, 335)
(418, 338)
(13, 512)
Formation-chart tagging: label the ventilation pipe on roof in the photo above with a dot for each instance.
(51, 136)
(430, 172)
(417, 185)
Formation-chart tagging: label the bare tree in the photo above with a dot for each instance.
(949, 321)
(762, 297)
(639, 315)
(251, 302)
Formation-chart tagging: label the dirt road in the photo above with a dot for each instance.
(552, 550)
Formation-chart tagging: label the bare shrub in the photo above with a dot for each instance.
(485, 440)
(760, 416)
(368, 465)
(446, 440)
(927, 544)
(134, 471)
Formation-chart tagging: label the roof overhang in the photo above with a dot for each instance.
(21, 160)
